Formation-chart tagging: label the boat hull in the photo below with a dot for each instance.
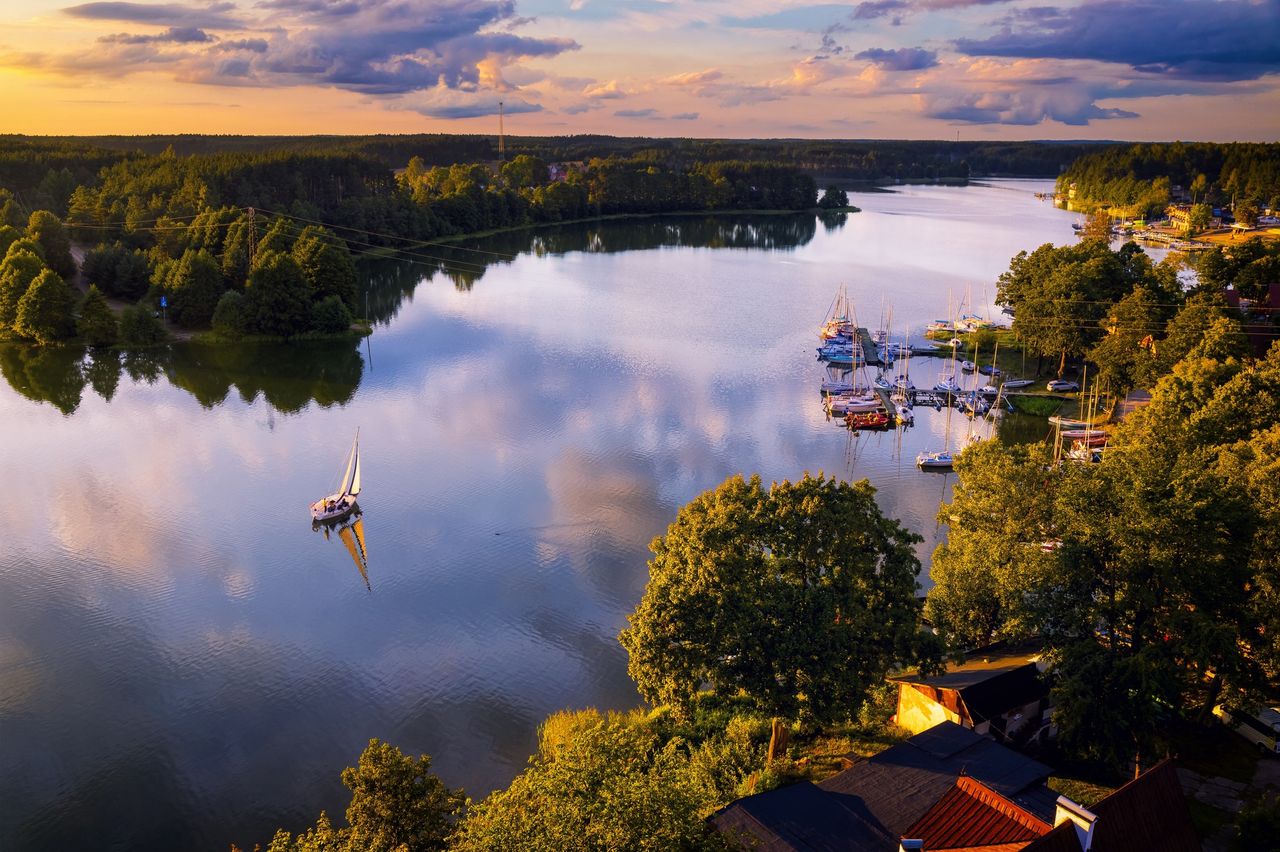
(321, 515)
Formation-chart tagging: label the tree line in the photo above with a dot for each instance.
(1141, 178)
(1131, 319)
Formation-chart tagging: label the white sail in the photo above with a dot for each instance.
(355, 476)
(352, 473)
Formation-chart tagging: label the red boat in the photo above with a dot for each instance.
(867, 419)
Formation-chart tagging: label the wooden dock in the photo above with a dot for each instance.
(869, 348)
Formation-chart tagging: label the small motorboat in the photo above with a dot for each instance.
(968, 366)
(935, 461)
(881, 382)
(1015, 384)
(989, 370)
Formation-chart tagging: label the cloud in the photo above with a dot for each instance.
(453, 104)
(1021, 107)
(636, 113)
(174, 35)
(209, 16)
(609, 91)
(901, 59)
(1192, 39)
(578, 109)
(1021, 93)
(257, 45)
(694, 78)
(685, 116)
(871, 9)
(377, 47)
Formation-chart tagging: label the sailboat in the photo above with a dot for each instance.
(343, 501)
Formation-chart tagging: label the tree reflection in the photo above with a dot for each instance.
(390, 281)
(289, 376)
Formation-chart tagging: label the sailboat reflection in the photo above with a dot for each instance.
(351, 531)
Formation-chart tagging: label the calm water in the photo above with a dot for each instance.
(185, 663)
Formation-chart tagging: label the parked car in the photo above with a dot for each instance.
(1062, 385)
(1261, 728)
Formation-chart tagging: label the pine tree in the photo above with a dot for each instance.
(47, 230)
(96, 323)
(44, 311)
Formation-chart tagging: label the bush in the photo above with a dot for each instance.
(140, 327)
(330, 316)
(97, 324)
(1258, 825)
(229, 315)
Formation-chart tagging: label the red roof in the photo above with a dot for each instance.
(972, 815)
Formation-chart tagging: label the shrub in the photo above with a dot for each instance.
(229, 315)
(330, 316)
(139, 326)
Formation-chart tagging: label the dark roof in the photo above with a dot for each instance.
(1149, 812)
(871, 804)
(899, 784)
(799, 816)
(1063, 838)
(990, 690)
(970, 815)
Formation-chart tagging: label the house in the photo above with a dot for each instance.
(951, 789)
(873, 804)
(999, 692)
(1149, 812)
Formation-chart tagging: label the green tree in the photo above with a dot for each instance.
(1126, 355)
(1198, 185)
(524, 172)
(17, 272)
(276, 300)
(1246, 213)
(330, 316)
(397, 805)
(229, 319)
(44, 311)
(195, 285)
(8, 236)
(96, 323)
(48, 230)
(999, 551)
(1097, 227)
(612, 782)
(1199, 219)
(801, 598)
(25, 245)
(833, 198)
(139, 326)
(326, 265)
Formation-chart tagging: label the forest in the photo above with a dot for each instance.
(1141, 179)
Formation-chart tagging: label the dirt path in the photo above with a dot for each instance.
(117, 306)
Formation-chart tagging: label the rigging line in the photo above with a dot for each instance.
(415, 242)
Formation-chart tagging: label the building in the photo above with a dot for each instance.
(951, 789)
(999, 692)
(875, 803)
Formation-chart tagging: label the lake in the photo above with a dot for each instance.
(185, 663)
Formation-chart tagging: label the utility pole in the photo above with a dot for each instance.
(502, 140)
(252, 238)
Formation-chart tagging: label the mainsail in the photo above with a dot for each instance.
(351, 478)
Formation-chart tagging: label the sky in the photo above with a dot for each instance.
(915, 69)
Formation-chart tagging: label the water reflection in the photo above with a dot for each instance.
(288, 376)
(391, 281)
(351, 534)
(171, 626)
